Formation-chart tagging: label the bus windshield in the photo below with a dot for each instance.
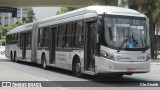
(131, 30)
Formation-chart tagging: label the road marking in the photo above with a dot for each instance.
(154, 75)
(155, 63)
(45, 79)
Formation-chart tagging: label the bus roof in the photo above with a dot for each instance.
(98, 9)
(113, 10)
(21, 28)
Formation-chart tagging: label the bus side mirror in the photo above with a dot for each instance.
(98, 44)
(97, 38)
(148, 20)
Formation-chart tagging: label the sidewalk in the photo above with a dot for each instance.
(155, 61)
(2, 57)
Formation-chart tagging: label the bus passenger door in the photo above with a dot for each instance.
(24, 37)
(90, 46)
(52, 44)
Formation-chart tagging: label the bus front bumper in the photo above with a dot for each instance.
(103, 65)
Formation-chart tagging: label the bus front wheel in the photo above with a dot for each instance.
(118, 75)
(11, 57)
(44, 64)
(77, 68)
(15, 57)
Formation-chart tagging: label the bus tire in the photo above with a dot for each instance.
(44, 64)
(77, 68)
(15, 57)
(118, 75)
(11, 56)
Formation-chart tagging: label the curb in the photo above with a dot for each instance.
(155, 63)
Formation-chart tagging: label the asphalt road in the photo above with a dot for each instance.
(22, 71)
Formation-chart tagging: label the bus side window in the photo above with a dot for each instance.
(26, 40)
(69, 35)
(17, 37)
(61, 35)
(29, 36)
(20, 39)
(30, 39)
(40, 39)
(78, 35)
(11, 38)
(8, 39)
(46, 37)
(14, 39)
(110, 33)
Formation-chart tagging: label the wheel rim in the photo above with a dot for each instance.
(11, 57)
(15, 58)
(78, 67)
(44, 63)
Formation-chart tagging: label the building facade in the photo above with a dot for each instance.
(6, 18)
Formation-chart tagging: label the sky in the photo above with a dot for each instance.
(45, 12)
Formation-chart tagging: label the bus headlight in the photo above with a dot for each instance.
(148, 57)
(107, 55)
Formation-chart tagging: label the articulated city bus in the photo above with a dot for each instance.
(91, 40)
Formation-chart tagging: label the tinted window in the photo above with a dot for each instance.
(62, 30)
(61, 36)
(43, 40)
(46, 37)
(29, 39)
(69, 35)
(78, 35)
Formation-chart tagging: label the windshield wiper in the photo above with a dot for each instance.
(122, 44)
(134, 41)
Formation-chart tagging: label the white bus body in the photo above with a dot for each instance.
(91, 40)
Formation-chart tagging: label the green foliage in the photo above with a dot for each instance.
(3, 41)
(102, 2)
(29, 18)
(5, 29)
(2, 32)
(12, 26)
(2, 29)
(151, 8)
(65, 9)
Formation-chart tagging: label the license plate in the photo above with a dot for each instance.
(130, 69)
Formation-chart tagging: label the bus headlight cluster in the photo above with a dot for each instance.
(148, 57)
(107, 55)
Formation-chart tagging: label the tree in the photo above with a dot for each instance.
(12, 26)
(65, 9)
(151, 8)
(27, 19)
(2, 28)
(30, 16)
(102, 2)
(3, 31)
